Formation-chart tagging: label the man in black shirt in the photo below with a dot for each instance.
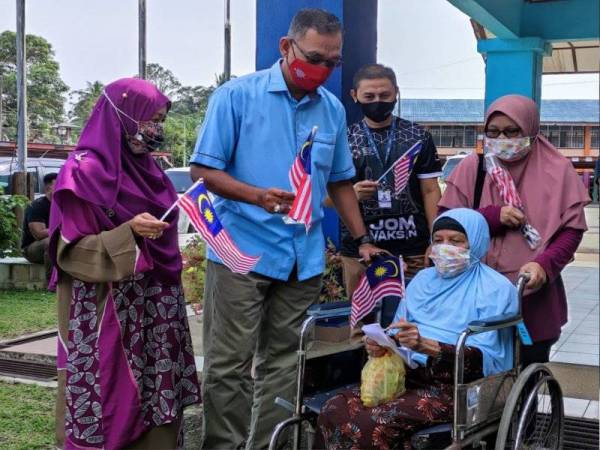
(399, 222)
(35, 227)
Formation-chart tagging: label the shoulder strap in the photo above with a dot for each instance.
(479, 182)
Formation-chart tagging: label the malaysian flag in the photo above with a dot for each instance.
(509, 195)
(403, 167)
(383, 278)
(199, 208)
(301, 211)
(506, 186)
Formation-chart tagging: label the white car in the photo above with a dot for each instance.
(449, 166)
(181, 179)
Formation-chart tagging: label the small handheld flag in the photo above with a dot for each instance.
(403, 167)
(300, 179)
(196, 203)
(383, 278)
(510, 195)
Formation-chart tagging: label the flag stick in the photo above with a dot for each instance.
(198, 181)
(396, 162)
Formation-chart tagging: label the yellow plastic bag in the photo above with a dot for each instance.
(382, 379)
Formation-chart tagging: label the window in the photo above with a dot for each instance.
(447, 135)
(457, 136)
(435, 134)
(470, 136)
(564, 136)
(595, 132)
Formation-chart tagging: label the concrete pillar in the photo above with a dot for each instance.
(359, 18)
(513, 66)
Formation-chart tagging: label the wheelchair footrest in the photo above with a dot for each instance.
(432, 438)
(315, 402)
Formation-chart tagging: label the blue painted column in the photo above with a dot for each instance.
(513, 66)
(359, 18)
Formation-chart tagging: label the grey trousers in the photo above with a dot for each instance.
(37, 253)
(249, 318)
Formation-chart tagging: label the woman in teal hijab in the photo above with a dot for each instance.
(440, 302)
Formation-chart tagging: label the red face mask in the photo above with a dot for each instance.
(308, 76)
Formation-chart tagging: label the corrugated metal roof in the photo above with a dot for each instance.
(471, 111)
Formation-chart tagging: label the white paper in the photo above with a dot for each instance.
(375, 332)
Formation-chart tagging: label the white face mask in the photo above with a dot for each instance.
(450, 260)
(511, 149)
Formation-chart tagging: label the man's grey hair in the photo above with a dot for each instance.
(323, 22)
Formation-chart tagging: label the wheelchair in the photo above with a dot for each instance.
(516, 409)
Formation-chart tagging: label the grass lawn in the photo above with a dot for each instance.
(24, 312)
(26, 417)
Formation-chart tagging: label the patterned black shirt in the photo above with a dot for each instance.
(401, 229)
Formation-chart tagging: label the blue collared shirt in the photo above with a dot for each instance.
(253, 131)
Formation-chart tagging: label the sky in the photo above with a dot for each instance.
(429, 43)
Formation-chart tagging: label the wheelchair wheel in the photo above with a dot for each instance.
(533, 416)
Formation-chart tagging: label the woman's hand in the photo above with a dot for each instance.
(512, 217)
(373, 348)
(408, 335)
(537, 276)
(365, 189)
(148, 226)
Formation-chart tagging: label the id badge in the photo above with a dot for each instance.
(384, 197)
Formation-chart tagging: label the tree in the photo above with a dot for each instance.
(45, 88)
(83, 101)
(163, 79)
(192, 100)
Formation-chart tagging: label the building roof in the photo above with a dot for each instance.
(471, 111)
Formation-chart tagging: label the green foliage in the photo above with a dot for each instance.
(194, 269)
(180, 136)
(333, 288)
(45, 88)
(83, 101)
(26, 417)
(163, 79)
(10, 235)
(23, 312)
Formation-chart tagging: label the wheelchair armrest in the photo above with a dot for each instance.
(494, 323)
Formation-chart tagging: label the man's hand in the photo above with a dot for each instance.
(368, 252)
(275, 200)
(148, 226)
(373, 348)
(365, 189)
(537, 276)
(408, 335)
(512, 217)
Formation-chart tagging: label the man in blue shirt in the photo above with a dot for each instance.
(254, 128)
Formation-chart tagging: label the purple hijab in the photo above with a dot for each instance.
(103, 184)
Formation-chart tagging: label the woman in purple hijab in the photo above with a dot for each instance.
(125, 359)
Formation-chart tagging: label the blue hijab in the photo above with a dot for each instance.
(442, 307)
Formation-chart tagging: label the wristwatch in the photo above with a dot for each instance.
(364, 239)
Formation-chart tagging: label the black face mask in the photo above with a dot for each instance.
(377, 111)
(153, 139)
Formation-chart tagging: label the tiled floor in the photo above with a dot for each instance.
(579, 342)
(574, 407)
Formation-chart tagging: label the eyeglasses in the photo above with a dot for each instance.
(510, 132)
(317, 59)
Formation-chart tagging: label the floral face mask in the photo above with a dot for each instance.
(511, 149)
(450, 260)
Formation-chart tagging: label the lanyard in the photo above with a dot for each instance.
(388, 143)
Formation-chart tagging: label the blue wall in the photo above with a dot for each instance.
(359, 18)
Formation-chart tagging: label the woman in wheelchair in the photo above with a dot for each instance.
(440, 302)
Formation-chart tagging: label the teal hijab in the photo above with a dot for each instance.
(442, 307)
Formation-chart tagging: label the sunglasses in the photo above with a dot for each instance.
(510, 132)
(318, 60)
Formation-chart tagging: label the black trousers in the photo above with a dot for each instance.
(539, 352)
